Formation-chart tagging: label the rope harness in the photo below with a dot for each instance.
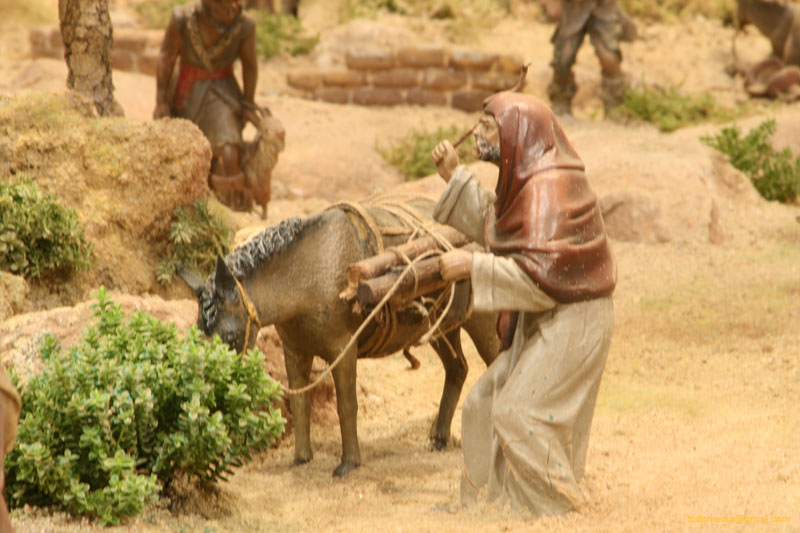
(412, 224)
(252, 315)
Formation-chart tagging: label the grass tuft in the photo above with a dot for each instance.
(411, 154)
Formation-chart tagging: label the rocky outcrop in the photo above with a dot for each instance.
(124, 179)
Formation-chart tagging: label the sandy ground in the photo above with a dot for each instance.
(697, 413)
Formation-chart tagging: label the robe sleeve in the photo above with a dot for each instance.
(464, 203)
(499, 284)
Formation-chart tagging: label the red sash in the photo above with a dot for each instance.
(188, 75)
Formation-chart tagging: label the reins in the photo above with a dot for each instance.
(252, 315)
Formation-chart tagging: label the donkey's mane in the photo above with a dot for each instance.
(245, 259)
(263, 247)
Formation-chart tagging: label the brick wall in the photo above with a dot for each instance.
(132, 50)
(419, 75)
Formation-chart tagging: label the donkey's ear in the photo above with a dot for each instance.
(223, 280)
(194, 281)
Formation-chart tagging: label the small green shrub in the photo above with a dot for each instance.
(282, 34)
(38, 235)
(411, 154)
(776, 175)
(669, 108)
(155, 14)
(133, 405)
(196, 237)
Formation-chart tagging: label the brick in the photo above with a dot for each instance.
(334, 95)
(471, 59)
(423, 56)
(372, 59)
(377, 96)
(148, 62)
(343, 78)
(40, 41)
(493, 81)
(131, 41)
(444, 79)
(56, 40)
(304, 79)
(122, 60)
(396, 77)
(506, 65)
(469, 100)
(419, 96)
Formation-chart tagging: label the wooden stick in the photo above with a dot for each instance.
(465, 135)
(379, 264)
(428, 279)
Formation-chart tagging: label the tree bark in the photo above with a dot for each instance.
(87, 33)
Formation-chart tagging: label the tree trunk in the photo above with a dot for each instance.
(87, 33)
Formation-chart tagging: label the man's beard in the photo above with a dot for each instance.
(486, 151)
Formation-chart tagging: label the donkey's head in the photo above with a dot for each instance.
(224, 308)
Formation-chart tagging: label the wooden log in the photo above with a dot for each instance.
(379, 264)
(371, 291)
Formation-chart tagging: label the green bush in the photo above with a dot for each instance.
(38, 235)
(669, 108)
(132, 406)
(282, 34)
(196, 237)
(411, 154)
(776, 175)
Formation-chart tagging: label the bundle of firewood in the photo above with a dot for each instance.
(369, 280)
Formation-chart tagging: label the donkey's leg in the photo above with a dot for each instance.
(455, 372)
(481, 329)
(298, 370)
(344, 379)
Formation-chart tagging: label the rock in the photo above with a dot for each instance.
(13, 292)
(124, 178)
(632, 217)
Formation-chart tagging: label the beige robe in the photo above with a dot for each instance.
(526, 422)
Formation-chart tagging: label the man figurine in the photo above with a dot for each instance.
(208, 38)
(10, 405)
(550, 273)
(606, 25)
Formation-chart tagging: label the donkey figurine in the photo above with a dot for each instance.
(779, 21)
(291, 275)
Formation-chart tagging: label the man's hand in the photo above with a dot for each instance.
(445, 158)
(455, 265)
(251, 116)
(162, 110)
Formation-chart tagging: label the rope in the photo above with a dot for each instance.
(363, 325)
(413, 221)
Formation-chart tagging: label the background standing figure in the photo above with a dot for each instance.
(208, 38)
(550, 273)
(607, 25)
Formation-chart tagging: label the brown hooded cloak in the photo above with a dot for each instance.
(546, 216)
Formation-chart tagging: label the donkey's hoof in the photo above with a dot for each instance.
(299, 461)
(438, 444)
(344, 469)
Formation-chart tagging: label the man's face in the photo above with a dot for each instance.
(224, 11)
(487, 139)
